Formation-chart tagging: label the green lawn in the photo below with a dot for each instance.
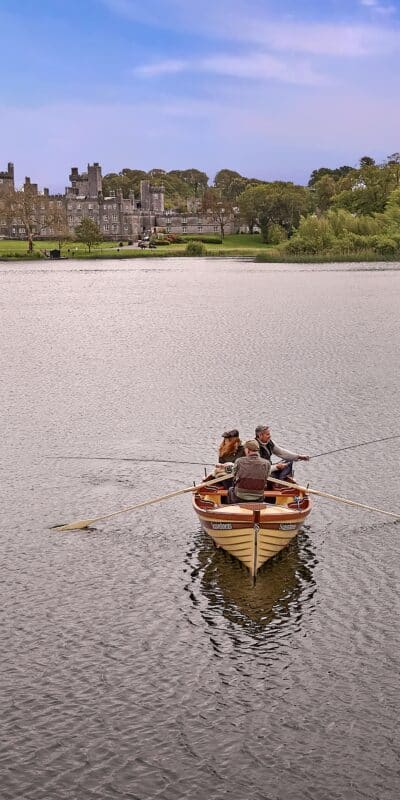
(18, 249)
(235, 245)
(244, 240)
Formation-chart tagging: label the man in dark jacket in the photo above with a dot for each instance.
(284, 469)
(250, 474)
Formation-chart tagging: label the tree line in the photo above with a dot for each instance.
(341, 210)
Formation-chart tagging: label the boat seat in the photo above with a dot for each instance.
(250, 506)
(246, 507)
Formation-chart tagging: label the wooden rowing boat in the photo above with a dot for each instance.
(252, 532)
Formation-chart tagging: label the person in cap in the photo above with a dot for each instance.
(268, 448)
(230, 448)
(250, 475)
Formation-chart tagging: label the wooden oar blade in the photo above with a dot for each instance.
(79, 525)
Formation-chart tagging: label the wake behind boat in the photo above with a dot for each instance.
(252, 532)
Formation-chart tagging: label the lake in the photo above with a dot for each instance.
(137, 660)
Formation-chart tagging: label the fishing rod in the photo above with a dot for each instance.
(138, 460)
(207, 463)
(353, 446)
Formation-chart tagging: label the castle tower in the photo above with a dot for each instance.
(7, 178)
(145, 195)
(86, 184)
(95, 182)
(151, 197)
(30, 187)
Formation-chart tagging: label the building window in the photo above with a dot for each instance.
(114, 216)
(216, 228)
(90, 206)
(199, 228)
(125, 227)
(105, 226)
(184, 228)
(168, 228)
(70, 219)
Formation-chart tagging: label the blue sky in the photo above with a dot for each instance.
(270, 89)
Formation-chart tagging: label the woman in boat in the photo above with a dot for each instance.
(230, 448)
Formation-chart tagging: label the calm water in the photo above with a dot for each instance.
(137, 661)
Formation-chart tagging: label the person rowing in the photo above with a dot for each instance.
(250, 475)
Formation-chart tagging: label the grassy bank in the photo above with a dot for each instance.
(276, 257)
(235, 246)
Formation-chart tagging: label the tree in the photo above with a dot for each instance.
(127, 180)
(336, 174)
(230, 184)
(367, 161)
(59, 225)
(197, 180)
(314, 235)
(219, 210)
(323, 191)
(88, 232)
(393, 162)
(366, 190)
(249, 204)
(391, 216)
(278, 203)
(35, 213)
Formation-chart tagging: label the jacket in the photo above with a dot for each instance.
(250, 475)
(269, 448)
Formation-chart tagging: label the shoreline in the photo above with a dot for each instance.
(256, 258)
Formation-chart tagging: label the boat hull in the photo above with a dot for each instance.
(252, 532)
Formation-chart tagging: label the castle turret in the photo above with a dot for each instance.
(87, 184)
(7, 178)
(151, 197)
(95, 182)
(30, 187)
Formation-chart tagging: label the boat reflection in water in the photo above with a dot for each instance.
(284, 585)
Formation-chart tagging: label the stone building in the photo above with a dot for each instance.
(194, 223)
(117, 217)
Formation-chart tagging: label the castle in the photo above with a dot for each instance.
(118, 217)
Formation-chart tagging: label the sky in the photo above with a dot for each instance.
(270, 88)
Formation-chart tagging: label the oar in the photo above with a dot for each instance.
(80, 524)
(334, 497)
